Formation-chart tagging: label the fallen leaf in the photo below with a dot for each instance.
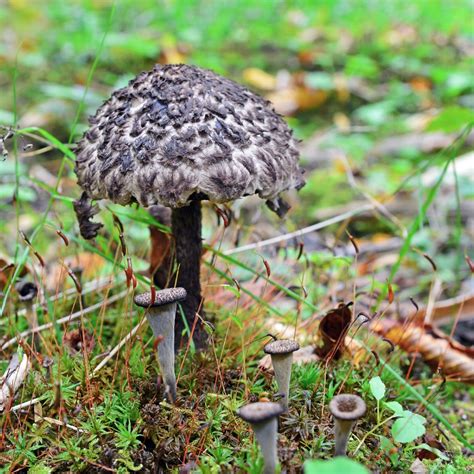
(421, 84)
(290, 100)
(259, 79)
(6, 271)
(332, 330)
(438, 352)
(86, 263)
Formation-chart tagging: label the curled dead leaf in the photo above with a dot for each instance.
(438, 352)
(333, 330)
(6, 271)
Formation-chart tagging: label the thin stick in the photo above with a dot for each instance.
(65, 319)
(61, 423)
(119, 346)
(303, 231)
(27, 404)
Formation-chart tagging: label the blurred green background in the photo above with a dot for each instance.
(50, 46)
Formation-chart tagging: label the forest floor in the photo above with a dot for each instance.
(384, 114)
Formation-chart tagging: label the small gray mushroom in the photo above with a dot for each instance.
(346, 410)
(263, 417)
(281, 352)
(161, 315)
(28, 291)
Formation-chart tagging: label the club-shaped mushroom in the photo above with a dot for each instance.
(28, 291)
(281, 352)
(177, 135)
(346, 410)
(263, 417)
(161, 317)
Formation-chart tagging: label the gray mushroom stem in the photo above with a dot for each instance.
(266, 435)
(161, 320)
(281, 352)
(263, 417)
(342, 430)
(346, 410)
(161, 311)
(28, 292)
(282, 367)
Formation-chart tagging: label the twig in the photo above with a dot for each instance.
(65, 319)
(119, 346)
(303, 231)
(62, 423)
(26, 404)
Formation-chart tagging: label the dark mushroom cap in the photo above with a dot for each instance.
(347, 407)
(179, 133)
(162, 297)
(26, 290)
(281, 347)
(260, 411)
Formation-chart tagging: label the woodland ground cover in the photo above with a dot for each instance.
(380, 94)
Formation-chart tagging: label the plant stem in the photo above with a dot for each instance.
(378, 425)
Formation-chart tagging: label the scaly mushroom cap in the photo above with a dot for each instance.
(179, 133)
(281, 347)
(260, 411)
(162, 297)
(347, 407)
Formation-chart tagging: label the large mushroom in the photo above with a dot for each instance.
(177, 135)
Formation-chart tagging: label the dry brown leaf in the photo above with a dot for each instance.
(443, 311)
(421, 84)
(288, 101)
(171, 54)
(6, 272)
(438, 352)
(259, 79)
(332, 331)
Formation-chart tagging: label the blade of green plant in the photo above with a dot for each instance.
(52, 192)
(451, 149)
(15, 150)
(51, 139)
(334, 466)
(142, 217)
(90, 75)
(422, 214)
(20, 263)
(272, 282)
